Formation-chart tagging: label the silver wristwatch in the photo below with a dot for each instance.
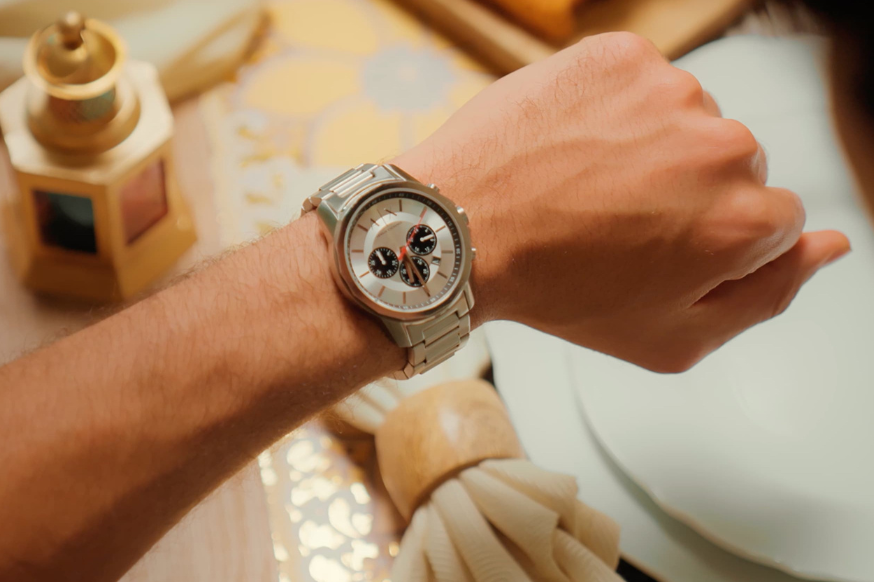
(402, 251)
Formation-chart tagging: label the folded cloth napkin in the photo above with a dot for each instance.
(193, 43)
(508, 520)
(500, 519)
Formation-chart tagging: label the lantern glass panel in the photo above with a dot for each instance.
(66, 221)
(143, 201)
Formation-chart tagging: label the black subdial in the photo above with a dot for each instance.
(422, 240)
(423, 271)
(383, 263)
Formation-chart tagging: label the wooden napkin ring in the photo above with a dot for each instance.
(435, 434)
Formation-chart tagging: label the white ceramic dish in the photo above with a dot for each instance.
(533, 376)
(767, 447)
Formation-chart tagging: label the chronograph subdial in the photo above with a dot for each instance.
(383, 263)
(421, 239)
(421, 274)
(408, 224)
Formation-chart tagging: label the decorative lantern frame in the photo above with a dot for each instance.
(140, 222)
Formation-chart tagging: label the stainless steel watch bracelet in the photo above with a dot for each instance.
(339, 192)
(433, 341)
(430, 341)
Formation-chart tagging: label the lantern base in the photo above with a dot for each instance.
(94, 280)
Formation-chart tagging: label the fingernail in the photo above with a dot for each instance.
(836, 257)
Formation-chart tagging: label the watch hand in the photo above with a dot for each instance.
(412, 271)
(410, 238)
(381, 258)
(418, 274)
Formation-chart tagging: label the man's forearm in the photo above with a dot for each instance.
(611, 204)
(111, 435)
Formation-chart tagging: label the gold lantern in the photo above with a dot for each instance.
(92, 208)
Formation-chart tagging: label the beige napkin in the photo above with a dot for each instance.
(193, 43)
(501, 521)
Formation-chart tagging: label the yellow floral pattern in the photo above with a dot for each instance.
(332, 84)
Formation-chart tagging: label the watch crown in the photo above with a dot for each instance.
(472, 253)
(463, 214)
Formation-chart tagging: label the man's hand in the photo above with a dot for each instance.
(612, 206)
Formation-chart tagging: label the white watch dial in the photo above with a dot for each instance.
(404, 251)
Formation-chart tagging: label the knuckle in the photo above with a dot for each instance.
(749, 223)
(766, 214)
(755, 215)
(736, 140)
(798, 214)
(738, 226)
(684, 86)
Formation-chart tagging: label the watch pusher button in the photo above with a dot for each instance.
(312, 203)
(434, 187)
(463, 214)
(472, 253)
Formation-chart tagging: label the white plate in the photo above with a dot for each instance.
(532, 375)
(767, 447)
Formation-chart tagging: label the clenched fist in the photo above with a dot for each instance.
(614, 207)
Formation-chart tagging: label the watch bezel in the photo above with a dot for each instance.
(345, 278)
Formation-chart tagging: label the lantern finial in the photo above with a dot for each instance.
(71, 26)
(78, 101)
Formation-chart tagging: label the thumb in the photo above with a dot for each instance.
(737, 305)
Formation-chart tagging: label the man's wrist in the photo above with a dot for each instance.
(485, 273)
(349, 325)
(281, 317)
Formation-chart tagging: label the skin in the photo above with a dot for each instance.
(688, 235)
(610, 205)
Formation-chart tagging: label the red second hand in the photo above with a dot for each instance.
(410, 239)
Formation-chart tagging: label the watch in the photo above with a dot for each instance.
(401, 251)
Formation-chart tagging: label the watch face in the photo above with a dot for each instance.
(404, 251)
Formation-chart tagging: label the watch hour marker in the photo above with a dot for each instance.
(422, 255)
